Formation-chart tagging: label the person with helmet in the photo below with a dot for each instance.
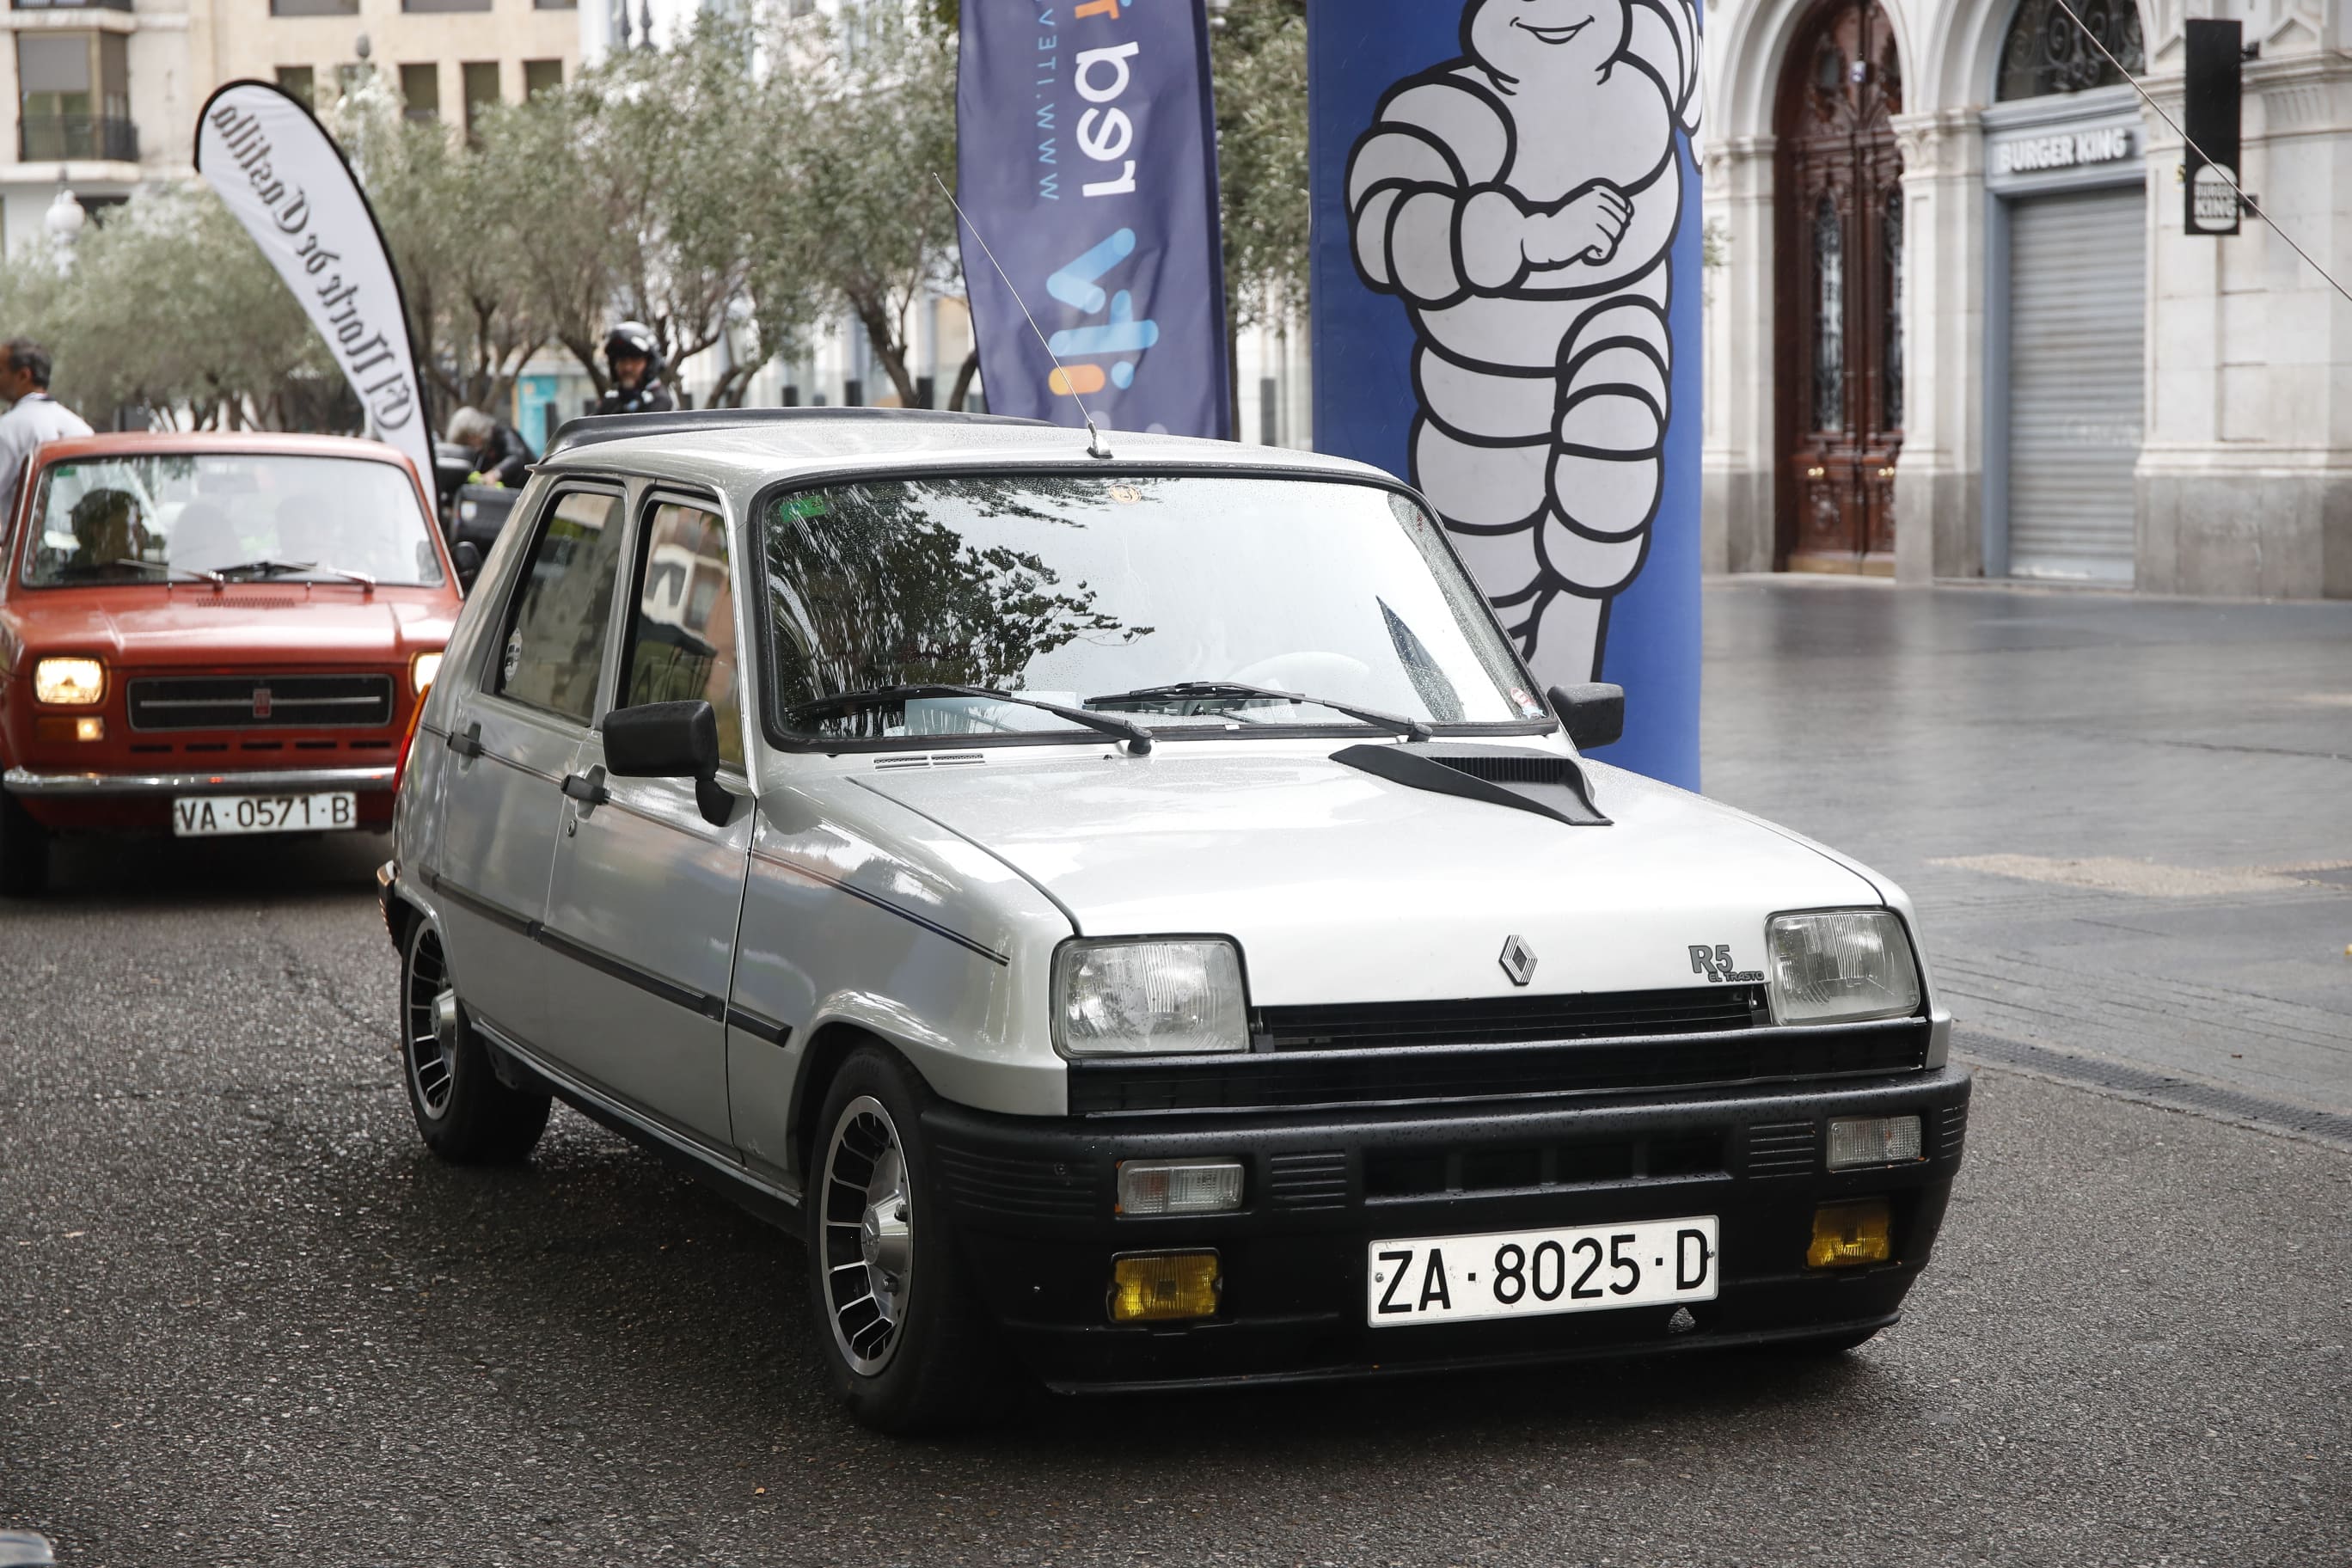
(633, 357)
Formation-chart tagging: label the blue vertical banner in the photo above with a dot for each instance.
(1507, 312)
(1087, 161)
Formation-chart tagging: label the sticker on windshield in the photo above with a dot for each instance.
(1527, 705)
(1126, 495)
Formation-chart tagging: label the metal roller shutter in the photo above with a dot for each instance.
(2077, 295)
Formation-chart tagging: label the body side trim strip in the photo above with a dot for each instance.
(751, 1022)
(711, 1008)
(970, 944)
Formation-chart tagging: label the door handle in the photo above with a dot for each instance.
(469, 745)
(587, 789)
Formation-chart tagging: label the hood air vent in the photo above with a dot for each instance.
(1547, 785)
(931, 760)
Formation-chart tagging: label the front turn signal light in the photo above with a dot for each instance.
(1163, 1287)
(69, 682)
(1847, 1236)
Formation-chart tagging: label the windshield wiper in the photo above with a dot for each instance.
(265, 568)
(215, 578)
(1205, 691)
(1138, 738)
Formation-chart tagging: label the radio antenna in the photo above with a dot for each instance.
(1095, 447)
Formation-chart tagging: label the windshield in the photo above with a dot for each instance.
(1203, 605)
(151, 518)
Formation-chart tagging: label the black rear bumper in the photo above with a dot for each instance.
(1033, 1216)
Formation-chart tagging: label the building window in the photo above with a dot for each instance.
(300, 82)
(2046, 52)
(420, 90)
(314, 7)
(444, 5)
(542, 76)
(1890, 251)
(1828, 316)
(556, 4)
(77, 97)
(481, 91)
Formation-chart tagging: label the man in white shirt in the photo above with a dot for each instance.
(36, 417)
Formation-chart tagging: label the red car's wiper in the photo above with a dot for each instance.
(1208, 690)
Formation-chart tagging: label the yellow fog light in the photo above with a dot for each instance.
(69, 682)
(1156, 1287)
(1846, 1235)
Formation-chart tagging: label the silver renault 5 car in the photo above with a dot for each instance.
(1139, 921)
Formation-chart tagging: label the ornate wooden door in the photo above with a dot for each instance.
(1840, 359)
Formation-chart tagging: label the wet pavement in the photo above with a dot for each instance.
(244, 1320)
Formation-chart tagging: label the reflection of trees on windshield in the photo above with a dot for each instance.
(1421, 667)
(870, 588)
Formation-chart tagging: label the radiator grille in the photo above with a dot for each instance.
(261, 702)
(1271, 1080)
(1508, 1020)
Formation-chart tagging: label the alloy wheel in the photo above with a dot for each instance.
(429, 1023)
(869, 1251)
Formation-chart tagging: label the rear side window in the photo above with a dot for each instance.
(682, 638)
(555, 639)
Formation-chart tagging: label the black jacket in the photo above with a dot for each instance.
(650, 397)
(505, 458)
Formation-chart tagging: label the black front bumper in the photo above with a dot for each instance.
(1034, 1216)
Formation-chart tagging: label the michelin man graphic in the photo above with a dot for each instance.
(1521, 201)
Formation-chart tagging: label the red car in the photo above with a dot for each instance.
(212, 634)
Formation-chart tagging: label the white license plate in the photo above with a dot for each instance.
(216, 816)
(1533, 1273)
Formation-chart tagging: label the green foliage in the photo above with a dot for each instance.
(1259, 57)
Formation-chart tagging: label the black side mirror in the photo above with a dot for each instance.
(1595, 714)
(669, 741)
(467, 557)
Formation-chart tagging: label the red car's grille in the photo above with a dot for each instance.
(261, 702)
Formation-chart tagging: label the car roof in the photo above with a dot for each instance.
(137, 443)
(736, 447)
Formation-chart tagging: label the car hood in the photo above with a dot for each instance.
(333, 624)
(1342, 886)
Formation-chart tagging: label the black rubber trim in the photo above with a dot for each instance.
(968, 944)
(750, 1023)
(711, 1008)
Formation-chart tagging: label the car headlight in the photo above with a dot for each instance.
(1838, 965)
(420, 671)
(1148, 998)
(69, 682)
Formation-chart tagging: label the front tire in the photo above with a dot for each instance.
(900, 1328)
(24, 850)
(465, 1114)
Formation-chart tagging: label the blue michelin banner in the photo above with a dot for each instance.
(1086, 160)
(1507, 312)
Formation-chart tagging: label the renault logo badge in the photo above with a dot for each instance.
(1518, 961)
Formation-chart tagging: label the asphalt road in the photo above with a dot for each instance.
(244, 1320)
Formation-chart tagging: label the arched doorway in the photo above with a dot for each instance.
(1839, 327)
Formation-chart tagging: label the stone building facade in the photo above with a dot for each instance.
(1958, 327)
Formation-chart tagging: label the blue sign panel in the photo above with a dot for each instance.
(1507, 312)
(1087, 162)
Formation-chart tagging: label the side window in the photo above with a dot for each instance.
(555, 636)
(682, 636)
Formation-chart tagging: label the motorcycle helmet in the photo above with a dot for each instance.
(634, 339)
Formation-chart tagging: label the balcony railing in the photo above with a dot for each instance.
(49, 138)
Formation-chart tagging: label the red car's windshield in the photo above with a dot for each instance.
(239, 515)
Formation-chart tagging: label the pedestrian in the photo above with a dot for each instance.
(35, 416)
(501, 457)
(633, 357)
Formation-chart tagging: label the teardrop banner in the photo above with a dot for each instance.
(288, 183)
(1086, 164)
(1507, 312)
